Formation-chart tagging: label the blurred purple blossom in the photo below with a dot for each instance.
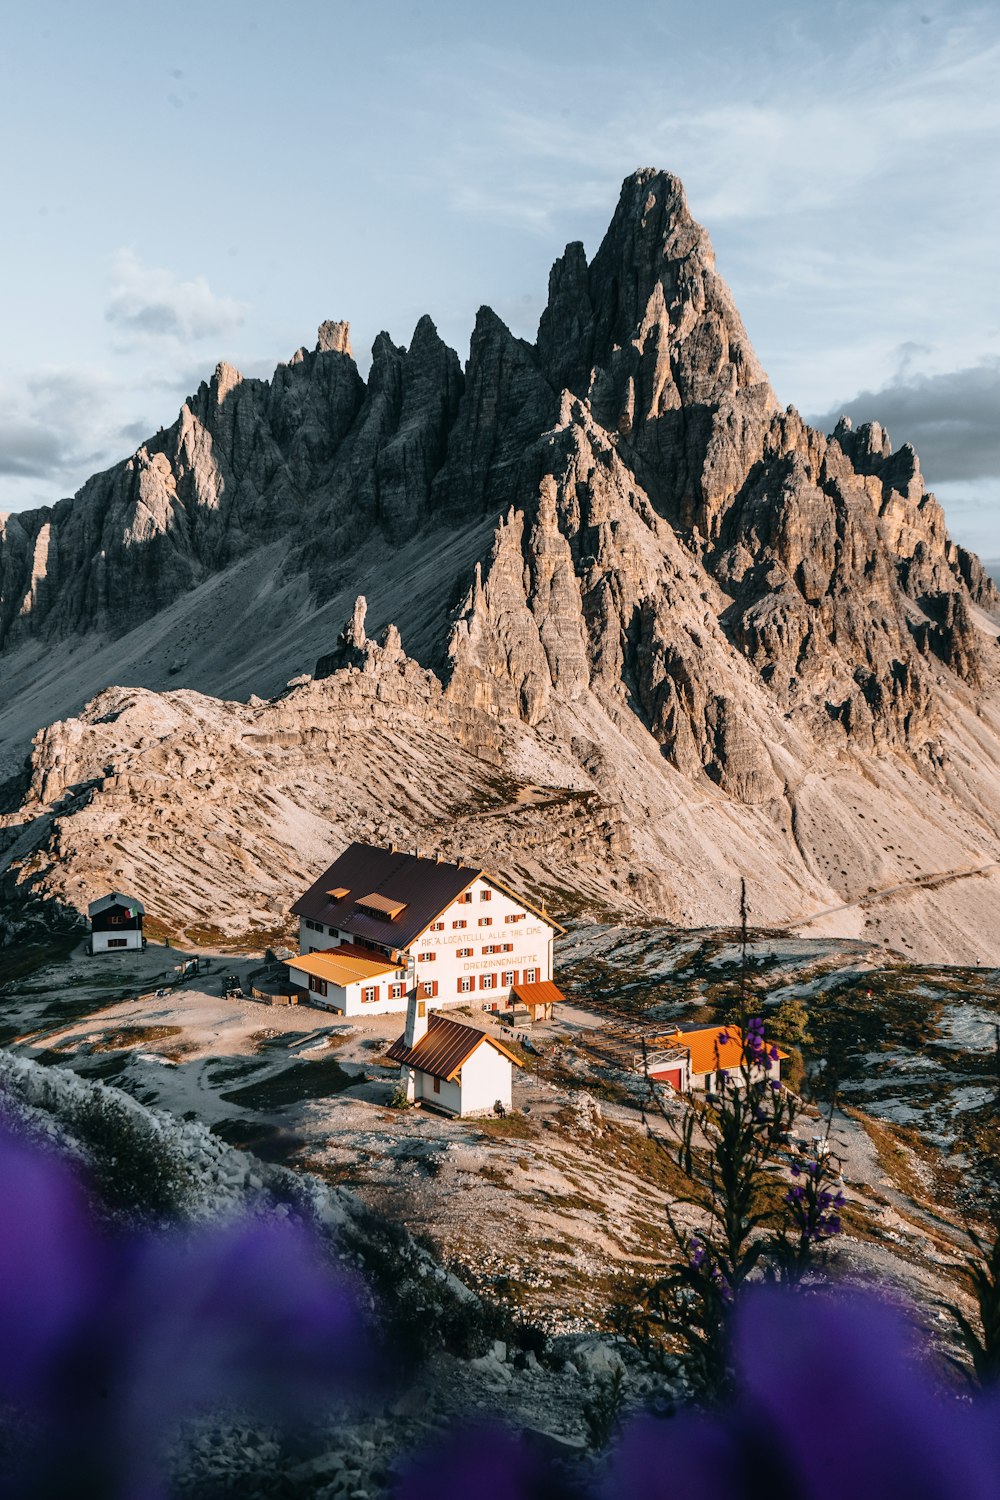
(483, 1463)
(834, 1392)
(107, 1343)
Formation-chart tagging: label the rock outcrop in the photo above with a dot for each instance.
(614, 540)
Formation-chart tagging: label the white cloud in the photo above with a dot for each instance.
(789, 128)
(153, 303)
(59, 425)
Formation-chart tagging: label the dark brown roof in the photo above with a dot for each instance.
(420, 888)
(444, 1047)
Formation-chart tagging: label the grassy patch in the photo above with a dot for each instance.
(511, 1127)
(158, 931)
(895, 1155)
(134, 1036)
(649, 1157)
(294, 1085)
(251, 940)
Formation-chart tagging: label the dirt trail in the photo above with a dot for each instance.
(932, 881)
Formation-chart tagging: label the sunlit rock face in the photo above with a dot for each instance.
(614, 541)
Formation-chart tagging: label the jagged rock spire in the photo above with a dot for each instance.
(333, 338)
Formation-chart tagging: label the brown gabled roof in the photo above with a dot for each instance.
(444, 1047)
(420, 889)
(410, 889)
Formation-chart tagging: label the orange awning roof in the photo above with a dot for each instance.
(542, 992)
(341, 968)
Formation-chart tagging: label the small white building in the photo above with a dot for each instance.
(350, 980)
(116, 923)
(456, 1068)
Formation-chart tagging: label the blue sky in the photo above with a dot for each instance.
(187, 183)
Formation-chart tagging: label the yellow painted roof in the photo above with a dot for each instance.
(340, 968)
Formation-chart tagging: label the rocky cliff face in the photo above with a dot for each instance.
(640, 552)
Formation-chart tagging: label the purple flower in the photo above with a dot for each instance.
(834, 1392)
(486, 1463)
(110, 1341)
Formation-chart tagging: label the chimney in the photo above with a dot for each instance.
(416, 1018)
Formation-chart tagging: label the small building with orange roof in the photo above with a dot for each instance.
(350, 980)
(698, 1059)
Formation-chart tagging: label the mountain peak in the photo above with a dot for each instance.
(333, 338)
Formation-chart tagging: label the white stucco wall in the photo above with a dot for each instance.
(99, 941)
(530, 940)
(706, 1081)
(448, 1097)
(347, 999)
(485, 1078)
